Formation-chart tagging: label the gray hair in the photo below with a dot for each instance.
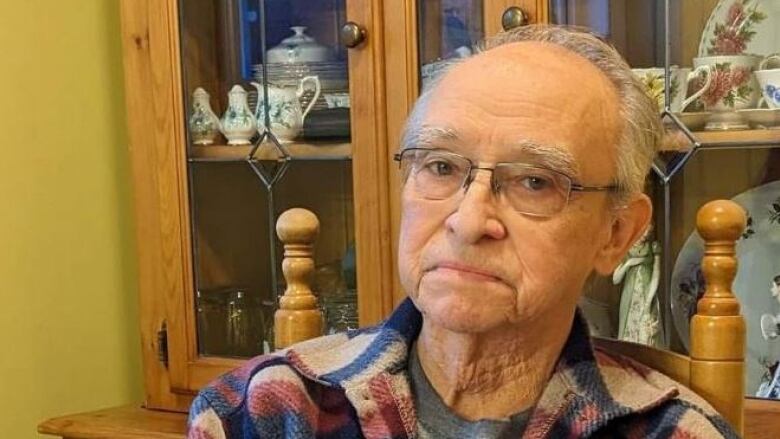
(641, 132)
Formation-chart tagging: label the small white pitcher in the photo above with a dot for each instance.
(284, 108)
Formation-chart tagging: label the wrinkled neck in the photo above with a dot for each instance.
(496, 374)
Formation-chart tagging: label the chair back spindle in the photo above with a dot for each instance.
(715, 368)
(718, 329)
(298, 317)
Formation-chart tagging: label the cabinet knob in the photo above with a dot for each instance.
(513, 17)
(352, 34)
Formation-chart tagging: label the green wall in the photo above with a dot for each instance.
(69, 338)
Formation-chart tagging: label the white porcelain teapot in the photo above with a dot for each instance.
(284, 108)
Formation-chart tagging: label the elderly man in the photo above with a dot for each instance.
(523, 169)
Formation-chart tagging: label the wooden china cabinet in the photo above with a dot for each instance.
(209, 261)
(202, 212)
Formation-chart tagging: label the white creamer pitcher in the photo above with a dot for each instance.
(284, 108)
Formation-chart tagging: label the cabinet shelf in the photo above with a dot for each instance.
(738, 138)
(676, 141)
(297, 151)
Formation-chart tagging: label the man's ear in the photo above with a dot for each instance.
(629, 222)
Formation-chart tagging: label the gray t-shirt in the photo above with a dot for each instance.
(436, 420)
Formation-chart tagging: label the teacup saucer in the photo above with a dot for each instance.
(694, 120)
(762, 117)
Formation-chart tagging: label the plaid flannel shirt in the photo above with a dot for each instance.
(356, 384)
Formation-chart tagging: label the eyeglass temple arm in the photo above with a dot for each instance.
(580, 188)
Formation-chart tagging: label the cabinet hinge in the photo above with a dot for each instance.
(162, 344)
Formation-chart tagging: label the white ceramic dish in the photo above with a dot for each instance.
(694, 121)
(337, 100)
(762, 117)
(333, 75)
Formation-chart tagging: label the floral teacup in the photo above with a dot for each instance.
(733, 87)
(653, 79)
(769, 80)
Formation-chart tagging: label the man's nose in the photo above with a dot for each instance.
(476, 216)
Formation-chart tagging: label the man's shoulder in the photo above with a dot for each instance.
(288, 369)
(635, 385)
(659, 404)
(674, 418)
(285, 387)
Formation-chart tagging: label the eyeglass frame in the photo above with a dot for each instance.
(468, 179)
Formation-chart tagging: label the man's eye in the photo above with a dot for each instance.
(535, 183)
(440, 167)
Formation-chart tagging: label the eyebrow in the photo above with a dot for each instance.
(427, 136)
(549, 156)
(540, 154)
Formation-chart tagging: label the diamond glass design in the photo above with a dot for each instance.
(676, 147)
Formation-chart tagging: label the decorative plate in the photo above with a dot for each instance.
(742, 27)
(758, 253)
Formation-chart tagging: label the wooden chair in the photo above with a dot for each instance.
(714, 370)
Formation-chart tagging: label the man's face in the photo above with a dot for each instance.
(471, 263)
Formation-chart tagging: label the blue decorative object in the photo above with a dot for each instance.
(773, 93)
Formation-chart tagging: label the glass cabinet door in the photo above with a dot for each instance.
(451, 29)
(447, 29)
(266, 88)
(636, 29)
(710, 65)
(731, 152)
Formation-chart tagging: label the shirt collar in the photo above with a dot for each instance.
(591, 386)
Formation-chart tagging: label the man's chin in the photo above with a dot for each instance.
(460, 316)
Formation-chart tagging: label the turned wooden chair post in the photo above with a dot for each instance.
(298, 317)
(718, 329)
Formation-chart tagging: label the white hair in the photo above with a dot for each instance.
(641, 131)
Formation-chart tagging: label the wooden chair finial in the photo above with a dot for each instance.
(720, 223)
(298, 317)
(721, 220)
(297, 226)
(717, 329)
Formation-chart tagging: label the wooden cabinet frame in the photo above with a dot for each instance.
(156, 121)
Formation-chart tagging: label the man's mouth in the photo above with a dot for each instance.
(468, 271)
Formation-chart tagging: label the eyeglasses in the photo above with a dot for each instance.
(437, 174)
